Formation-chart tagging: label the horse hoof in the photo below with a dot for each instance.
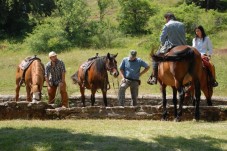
(177, 119)
(195, 120)
(163, 119)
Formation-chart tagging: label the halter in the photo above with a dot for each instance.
(108, 68)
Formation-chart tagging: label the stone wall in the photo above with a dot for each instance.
(149, 108)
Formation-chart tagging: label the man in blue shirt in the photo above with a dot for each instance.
(173, 34)
(130, 73)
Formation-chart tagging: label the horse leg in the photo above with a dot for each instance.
(104, 96)
(28, 90)
(17, 92)
(93, 91)
(164, 114)
(82, 90)
(181, 97)
(197, 99)
(208, 93)
(175, 101)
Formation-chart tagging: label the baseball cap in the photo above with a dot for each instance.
(52, 53)
(133, 53)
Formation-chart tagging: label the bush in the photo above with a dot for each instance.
(105, 35)
(134, 16)
(191, 16)
(47, 37)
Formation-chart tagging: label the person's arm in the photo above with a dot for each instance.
(63, 77)
(163, 35)
(46, 76)
(122, 73)
(146, 67)
(144, 70)
(193, 43)
(63, 72)
(121, 68)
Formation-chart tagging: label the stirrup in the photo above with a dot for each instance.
(152, 80)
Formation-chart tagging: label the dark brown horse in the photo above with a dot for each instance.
(33, 77)
(181, 65)
(95, 76)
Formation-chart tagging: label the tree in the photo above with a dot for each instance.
(74, 14)
(14, 14)
(103, 5)
(134, 16)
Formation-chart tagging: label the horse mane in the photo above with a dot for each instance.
(100, 63)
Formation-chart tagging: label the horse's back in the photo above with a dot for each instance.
(186, 65)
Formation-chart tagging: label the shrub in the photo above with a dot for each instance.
(134, 16)
(105, 35)
(47, 37)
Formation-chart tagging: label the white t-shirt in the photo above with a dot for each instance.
(204, 47)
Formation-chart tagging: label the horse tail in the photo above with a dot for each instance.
(74, 77)
(187, 53)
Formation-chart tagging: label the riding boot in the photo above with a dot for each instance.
(153, 78)
(214, 83)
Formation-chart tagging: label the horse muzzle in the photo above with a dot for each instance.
(36, 97)
(115, 73)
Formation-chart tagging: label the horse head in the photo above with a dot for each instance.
(111, 64)
(37, 80)
(35, 92)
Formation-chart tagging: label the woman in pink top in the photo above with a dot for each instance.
(203, 44)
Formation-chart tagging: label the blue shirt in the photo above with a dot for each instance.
(132, 68)
(54, 73)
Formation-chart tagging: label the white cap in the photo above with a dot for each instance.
(52, 53)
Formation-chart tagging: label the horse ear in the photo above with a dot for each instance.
(108, 55)
(115, 55)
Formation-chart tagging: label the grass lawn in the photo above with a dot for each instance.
(75, 57)
(70, 135)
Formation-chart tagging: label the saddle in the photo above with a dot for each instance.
(173, 55)
(24, 66)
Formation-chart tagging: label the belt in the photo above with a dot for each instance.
(132, 79)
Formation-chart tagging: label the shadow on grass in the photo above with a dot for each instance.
(29, 139)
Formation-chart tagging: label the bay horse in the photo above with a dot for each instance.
(206, 87)
(176, 68)
(30, 72)
(94, 76)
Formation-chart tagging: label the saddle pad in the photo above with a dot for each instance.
(86, 65)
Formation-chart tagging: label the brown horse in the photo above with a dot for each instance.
(181, 65)
(32, 76)
(206, 87)
(95, 76)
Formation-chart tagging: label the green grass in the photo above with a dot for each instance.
(73, 58)
(111, 135)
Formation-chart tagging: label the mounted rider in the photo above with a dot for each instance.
(173, 34)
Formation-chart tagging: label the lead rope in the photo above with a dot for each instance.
(115, 92)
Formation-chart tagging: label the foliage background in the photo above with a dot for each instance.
(77, 29)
